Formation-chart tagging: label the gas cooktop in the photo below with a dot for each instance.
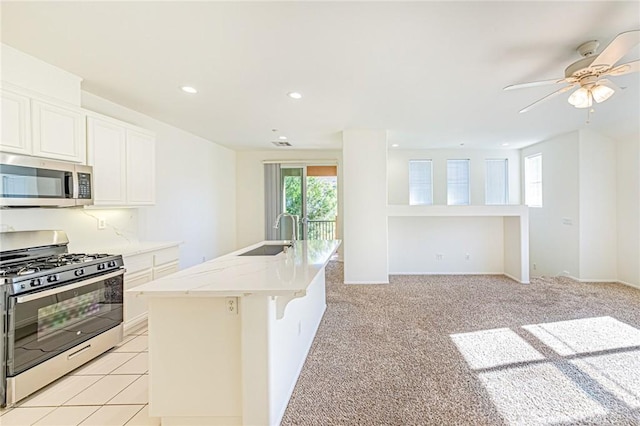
(27, 269)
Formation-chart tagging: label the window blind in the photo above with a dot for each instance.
(533, 180)
(496, 181)
(420, 182)
(458, 182)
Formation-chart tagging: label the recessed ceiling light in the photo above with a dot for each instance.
(294, 95)
(505, 144)
(282, 138)
(394, 145)
(462, 144)
(189, 89)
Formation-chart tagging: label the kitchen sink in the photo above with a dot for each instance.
(266, 250)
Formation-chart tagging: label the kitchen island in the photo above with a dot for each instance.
(228, 337)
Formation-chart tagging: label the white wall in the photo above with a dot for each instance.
(398, 172)
(598, 219)
(415, 243)
(250, 187)
(364, 153)
(29, 72)
(195, 188)
(628, 217)
(554, 227)
(81, 225)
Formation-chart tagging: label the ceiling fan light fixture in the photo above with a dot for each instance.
(581, 98)
(601, 93)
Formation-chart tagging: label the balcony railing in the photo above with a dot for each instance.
(321, 229)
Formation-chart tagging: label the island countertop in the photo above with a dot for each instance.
(284, 274)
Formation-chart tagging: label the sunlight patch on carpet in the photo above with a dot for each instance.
(538, 395)
(617, 373)
(586, 335)
(494, 348)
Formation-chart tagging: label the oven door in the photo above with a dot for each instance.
(45, 323)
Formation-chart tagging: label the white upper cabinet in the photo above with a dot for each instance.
(15, 116)
(42, 129)
(123, 160)
(58, 132)
(107, 155)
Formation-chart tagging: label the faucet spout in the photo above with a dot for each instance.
(294, 224)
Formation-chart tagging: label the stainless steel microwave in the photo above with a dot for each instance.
(34, 182)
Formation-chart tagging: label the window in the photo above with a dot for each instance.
(497, 181)
(533, 180)
(420, 182)
(458, 182)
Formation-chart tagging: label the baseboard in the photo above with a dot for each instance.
(629, 284)
(447, 273)
(590, 280)
(515, 279)
(604, 280)
(366, 282)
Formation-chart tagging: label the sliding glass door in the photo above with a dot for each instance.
(294, 200)
(310, 192)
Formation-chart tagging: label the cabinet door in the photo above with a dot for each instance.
(164, 270)
(15, 123)
(107, 155)
(134, 306)
(141, 168)
(58, 132)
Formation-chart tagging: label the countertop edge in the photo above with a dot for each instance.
(148, 291)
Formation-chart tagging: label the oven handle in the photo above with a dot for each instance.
(41, 294)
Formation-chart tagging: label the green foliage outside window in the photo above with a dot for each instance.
(322, 200)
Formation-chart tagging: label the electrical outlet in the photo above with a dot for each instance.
(102, 223)
(467, 256)
(231, 305)
(439, 256)
(535, 266)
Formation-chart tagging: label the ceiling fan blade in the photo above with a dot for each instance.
(546, 98)
(623, 69)
(534, 84)
(610, 84)
(619, 47)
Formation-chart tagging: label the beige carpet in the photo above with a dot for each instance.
(472, 350)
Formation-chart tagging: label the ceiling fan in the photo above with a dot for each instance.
(587, 73)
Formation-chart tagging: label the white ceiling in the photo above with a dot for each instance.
(431, 73)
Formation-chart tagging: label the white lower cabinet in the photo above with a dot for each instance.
(142, 268)
(135, 308)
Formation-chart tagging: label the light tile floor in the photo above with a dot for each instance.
(111, 390)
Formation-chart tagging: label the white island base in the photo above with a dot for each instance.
(216, 359)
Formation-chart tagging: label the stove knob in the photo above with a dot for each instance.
(53, 278)
(78, 272)
(112, 264)
(101, 266)
(35, 282)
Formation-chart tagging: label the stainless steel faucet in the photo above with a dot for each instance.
(294, 223)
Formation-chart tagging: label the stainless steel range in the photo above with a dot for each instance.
(59, 309)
